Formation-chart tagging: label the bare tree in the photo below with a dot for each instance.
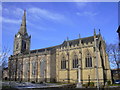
(4, 54)
(113, 53)
(114, 56)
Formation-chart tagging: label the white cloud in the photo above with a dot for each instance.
(7, 20)
(42, 13)
(16, 12)
(87, 13)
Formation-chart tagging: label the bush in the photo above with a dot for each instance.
(41, 82)
(85, 85)
(108, 82)
(91, 84)
(33, 82)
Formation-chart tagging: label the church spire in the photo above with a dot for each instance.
(24, 19)
(23, 29)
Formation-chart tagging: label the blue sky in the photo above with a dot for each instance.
(50, 23)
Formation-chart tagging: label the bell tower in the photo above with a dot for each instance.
(22, 39)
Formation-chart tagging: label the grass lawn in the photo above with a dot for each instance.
(114, 85)
(8, 88)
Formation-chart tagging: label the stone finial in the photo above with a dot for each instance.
(94, 32)
(99, 32)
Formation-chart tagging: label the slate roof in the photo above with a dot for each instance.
(43, 49)
(64, 44)
(83, 40)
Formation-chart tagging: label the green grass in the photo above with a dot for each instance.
(6, 87)
(114, 85)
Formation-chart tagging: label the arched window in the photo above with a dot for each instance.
(88, 60)
(33, 68)
(42, 67)
(17, 45)
(63, 63)
(75, 61)
(23, 45)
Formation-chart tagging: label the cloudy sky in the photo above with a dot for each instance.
(50, 23)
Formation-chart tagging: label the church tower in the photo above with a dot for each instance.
(22, 39)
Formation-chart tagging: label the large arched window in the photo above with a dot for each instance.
(42, 67)
(33, 68)
(88, 60)
(63, 63)
(75, 61)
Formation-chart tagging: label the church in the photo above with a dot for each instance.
(59, 63)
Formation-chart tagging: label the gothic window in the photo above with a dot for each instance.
(75, 61)
(23, 44)
(17, 45)
(63, 63)
(88, 60)
(33, 68)
(42, 67)
(26, 68)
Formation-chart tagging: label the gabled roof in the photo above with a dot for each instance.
(76, 41)
(43, 49)
(64, 44)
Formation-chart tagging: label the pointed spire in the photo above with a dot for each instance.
(94, 32)
(24, 19)
(67, 41)
(23, 24)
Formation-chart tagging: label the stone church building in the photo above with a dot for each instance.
(59, 63)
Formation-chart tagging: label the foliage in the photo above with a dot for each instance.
(89, 84)
(4, 54)
(109, 82)
(32, 81)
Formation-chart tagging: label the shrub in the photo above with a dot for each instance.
(108, 82)
(85, 85)
(41, 82)
(91, 84)
(33, 82)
